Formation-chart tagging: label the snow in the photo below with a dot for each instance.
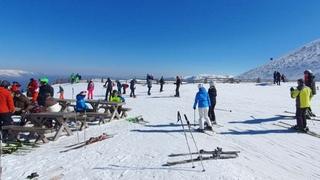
(137, 151)
(292, 65)
(14, 73)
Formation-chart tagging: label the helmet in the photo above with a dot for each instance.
(44, 80)
(5, 84)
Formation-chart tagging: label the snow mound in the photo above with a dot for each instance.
(292, 64)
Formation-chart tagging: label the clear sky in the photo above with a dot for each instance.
(135, 37)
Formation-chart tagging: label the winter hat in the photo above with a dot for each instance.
(308, 71)
(5, 84)
(300, 81)
(200, 86)
(211, 83)
(83, 93)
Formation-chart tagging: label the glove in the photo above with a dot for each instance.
(291, 89)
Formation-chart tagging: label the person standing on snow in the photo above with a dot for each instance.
(61, 92)
(161, 81)
(278, 78)
(203, 101)
(213, 99)
(177, 83)
(274, 77)
(44, 89)
(7, 107)
(303, 96)
(119, 86)
(132, 87)
(109, 86)
(309, 80)
(149, 83)
(90, 89)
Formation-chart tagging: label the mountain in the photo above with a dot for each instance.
(292, 65)
(14, 73)
(205, 76)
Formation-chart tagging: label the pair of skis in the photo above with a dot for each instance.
(87, 142)
(218, 153)
(290, 126)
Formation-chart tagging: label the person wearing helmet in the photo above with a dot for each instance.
(203, 101)
(213, 99)
(44, 89)
(309, 80)
(303, 95)
(7, 107)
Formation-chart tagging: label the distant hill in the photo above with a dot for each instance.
(292, 65)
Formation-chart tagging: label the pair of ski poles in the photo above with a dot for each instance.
(185, 135)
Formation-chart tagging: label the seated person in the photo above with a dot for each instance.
(51, 105)
(21, 102)
(116, 97)
(81, 105)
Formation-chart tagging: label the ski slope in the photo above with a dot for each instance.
(137, 151)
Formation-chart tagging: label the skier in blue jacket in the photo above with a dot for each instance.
(81, 105)
(203, 101)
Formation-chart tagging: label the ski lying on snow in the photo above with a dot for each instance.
(137, 120)
(172, 163)
(91, 140)
(290, 126)
(216, 151)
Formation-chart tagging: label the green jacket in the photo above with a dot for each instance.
(303, 97)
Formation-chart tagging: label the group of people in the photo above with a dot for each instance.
(278, 77)
(75, 78)
(305, 90)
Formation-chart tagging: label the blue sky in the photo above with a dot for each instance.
(135, 37)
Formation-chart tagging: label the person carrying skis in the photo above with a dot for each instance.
(43, 90)
(303, 95)
(33, 90)
(149, 83)
(109, 86)
(203, 101)
(90, 89)
(213, 99)
(161, 81)
(132, 87)
(177, 83)
(309, 80)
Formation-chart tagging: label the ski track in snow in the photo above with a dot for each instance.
(137, 151)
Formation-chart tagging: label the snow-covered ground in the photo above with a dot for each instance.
(138, 151)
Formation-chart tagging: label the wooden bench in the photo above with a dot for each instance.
(124, 111)
(14, 131)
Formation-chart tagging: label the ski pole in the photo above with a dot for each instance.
(185, 135)
(85, 123)
(226, 110)
(194, 141)
(194, 117)
(75, 118)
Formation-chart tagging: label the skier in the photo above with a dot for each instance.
(90, 89)
(149, 83)
(124, 87)
(203, 101)
(278, 78)
(109, 86)
(81, 105)
(309, 80)
(274, 77)
(6, 106)
(44, 89)
(132, 87)
(161, 81)
(61, 92)
(303, 96)
(119, 86)
(33, 90)
(212, 94)
(177, 83)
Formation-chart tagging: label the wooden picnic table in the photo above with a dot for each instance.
(110, 107)
(39, 119)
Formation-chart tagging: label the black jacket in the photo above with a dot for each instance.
(43, 90)
(212, 95)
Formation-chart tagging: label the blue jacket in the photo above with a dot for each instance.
(81, 103)
(202, 99)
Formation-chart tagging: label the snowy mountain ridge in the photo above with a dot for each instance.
(205, 76)
(14, 73)
(292, 65)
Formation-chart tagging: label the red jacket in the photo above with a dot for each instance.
(6, 101)
(33, 86)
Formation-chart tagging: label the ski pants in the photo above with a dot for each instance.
(301, 115)
(211, 113)
(177, 91)
(109, 90)
(90, 94)
(203, 113)
(132, 92)
(149, 89)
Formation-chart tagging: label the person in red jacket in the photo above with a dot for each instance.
(6, 105)
(33, 90)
